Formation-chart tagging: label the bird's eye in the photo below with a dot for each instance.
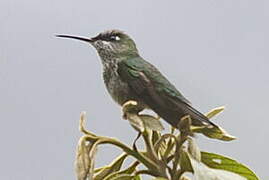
(114, 38)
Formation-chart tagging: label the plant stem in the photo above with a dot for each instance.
(153, 155)
(179, 142)
(140, 157)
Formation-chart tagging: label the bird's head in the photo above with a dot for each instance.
(110, 43)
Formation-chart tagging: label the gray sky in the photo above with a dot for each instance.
(214, 51)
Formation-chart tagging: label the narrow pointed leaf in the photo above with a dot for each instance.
(169, 148)
(185, 163)
(105, 171)
(130, 170)
(214, 112)
(165, 146)
(113, 167)
(155, 136)
(215, 132)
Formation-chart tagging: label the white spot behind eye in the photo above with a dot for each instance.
(117, 38)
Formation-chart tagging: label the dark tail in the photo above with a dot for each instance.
(199, 119)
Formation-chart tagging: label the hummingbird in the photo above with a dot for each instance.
(127, 76)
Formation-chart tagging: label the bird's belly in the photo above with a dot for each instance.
(119, 90)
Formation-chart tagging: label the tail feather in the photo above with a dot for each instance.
(199, 119)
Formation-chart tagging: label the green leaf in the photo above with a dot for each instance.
(184, 125)
(128, 170)
(98, 169)
(113, 167)
(105, 171)
(165, 146)
(214, 112)
(215, 132)
(136, 122)
(168, 148)
(137, 177)
(155, 137)
(216, 161)
(130, 113)
(184, 161)
(123, 177)
(140, 122)
(152, 123)
(203, 172)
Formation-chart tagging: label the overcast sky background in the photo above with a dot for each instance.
(214, 51)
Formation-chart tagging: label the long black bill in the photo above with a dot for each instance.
(76, 37)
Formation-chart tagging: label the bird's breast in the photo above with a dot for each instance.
(118, 89)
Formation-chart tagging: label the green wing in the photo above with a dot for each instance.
(157, 92)
(135, 66)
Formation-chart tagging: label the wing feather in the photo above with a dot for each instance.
(157, 92)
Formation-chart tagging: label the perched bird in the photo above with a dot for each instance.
(128, 76)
